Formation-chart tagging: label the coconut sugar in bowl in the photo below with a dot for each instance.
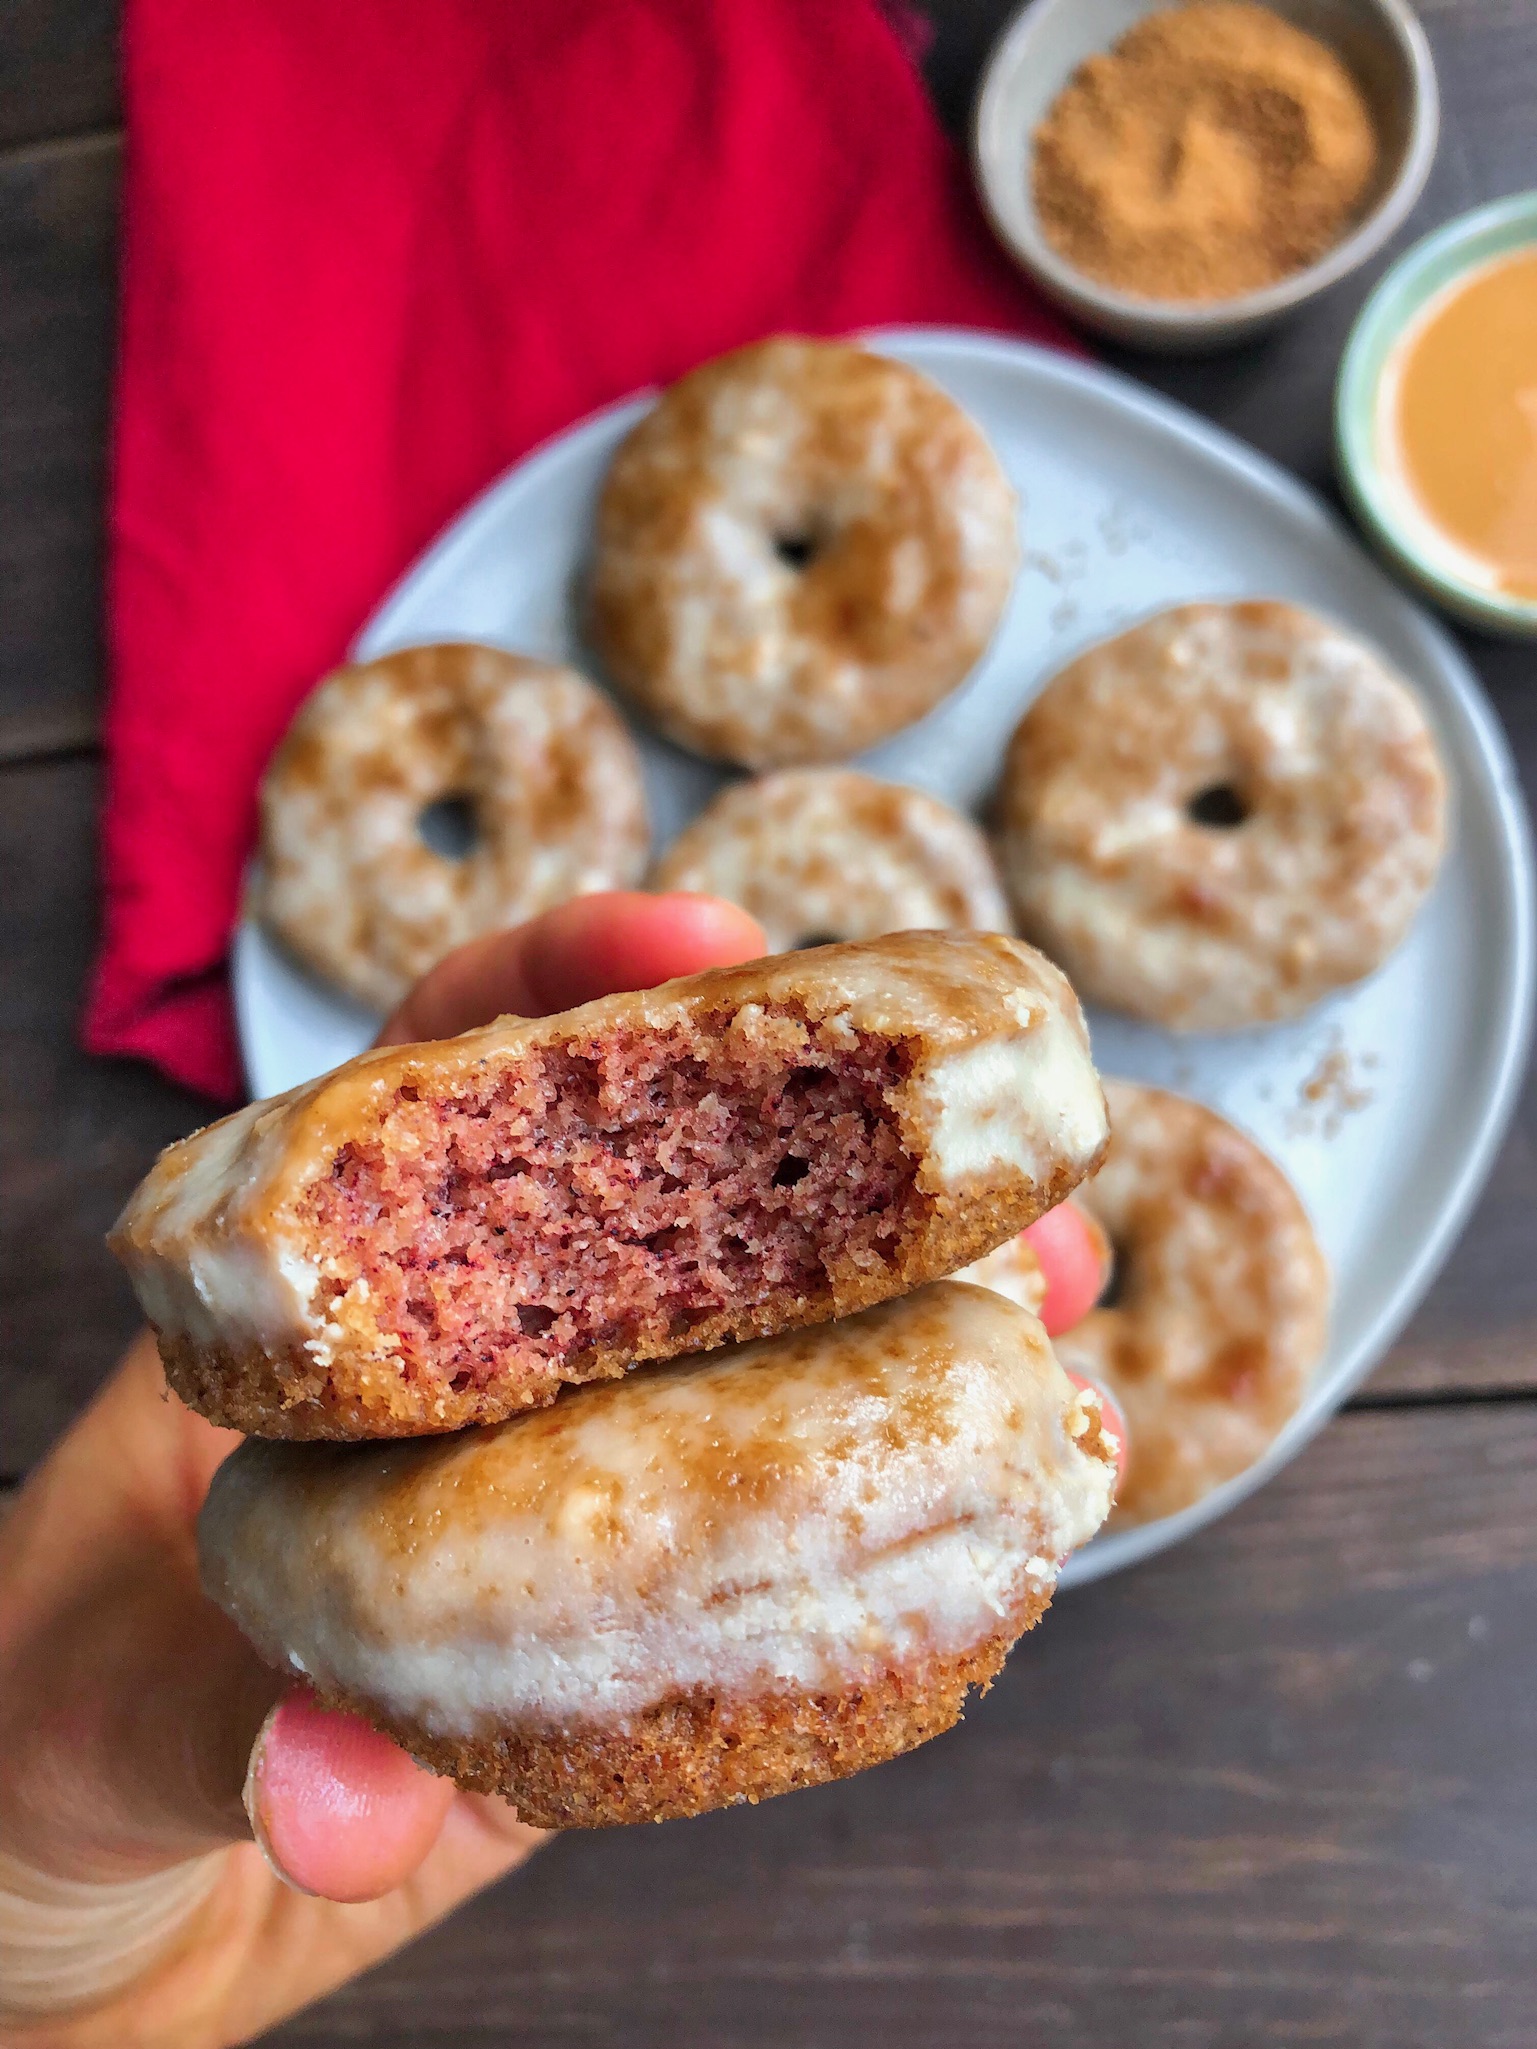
(1283, 177)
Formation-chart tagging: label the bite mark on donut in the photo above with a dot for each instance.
(616, 1193)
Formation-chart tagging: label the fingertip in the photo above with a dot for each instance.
(337, 1809)
(709, 924)
(589, 946)
(631, 940)
(1074, 1261)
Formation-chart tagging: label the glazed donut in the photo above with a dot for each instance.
(801, 549)
(1220, 1302)
(706, 1584)
(824, 853)
(540, 757)
(442, 1234)
(1216, 818)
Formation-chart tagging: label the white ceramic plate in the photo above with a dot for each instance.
(1384, 1105)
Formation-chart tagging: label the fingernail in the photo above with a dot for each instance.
(338, 1810)
(252, 1798)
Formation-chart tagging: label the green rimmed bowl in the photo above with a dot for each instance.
(1380, 501)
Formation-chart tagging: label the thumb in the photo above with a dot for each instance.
(338, 1809)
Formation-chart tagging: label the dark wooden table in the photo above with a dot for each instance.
(1279, 1786)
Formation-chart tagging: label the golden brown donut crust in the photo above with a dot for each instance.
(695, 1751)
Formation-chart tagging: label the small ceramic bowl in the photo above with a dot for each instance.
(1045, 43)
(1367, 471)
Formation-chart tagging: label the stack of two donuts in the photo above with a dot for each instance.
(615, 1443)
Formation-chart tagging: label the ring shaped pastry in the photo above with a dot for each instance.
(825, 853)
(531, 758)
(1216, 818)
(705, 1584)
(801, 549)
(442, 1234)
(1219, 1298)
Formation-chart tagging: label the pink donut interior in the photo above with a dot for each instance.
(607, 1193)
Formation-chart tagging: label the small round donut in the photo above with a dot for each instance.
(532, 754)
(826, 853)
(801, 549)
(1218, 1306)
(747, 1572)
(1216, 818)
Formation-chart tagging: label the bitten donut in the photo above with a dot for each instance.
(541, 760)
(802, 548)
(441, 1234)
(709, 1583)
(1216, 818)
(824, 853)
(1219, 1300)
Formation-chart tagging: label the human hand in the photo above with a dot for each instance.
(142, 1742)
(131, 1708)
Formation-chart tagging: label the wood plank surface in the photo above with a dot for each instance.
(58, 69)
(75, 1133)
(58, 222)
(1276, 1787)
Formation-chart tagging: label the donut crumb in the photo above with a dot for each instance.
(612, 1194)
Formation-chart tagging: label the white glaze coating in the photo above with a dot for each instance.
(794, 1511)
(203, 1261)
(1221, 1312)
(1019, 1103)
(1002, 1086)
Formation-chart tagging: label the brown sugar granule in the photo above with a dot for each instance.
(1213, 151)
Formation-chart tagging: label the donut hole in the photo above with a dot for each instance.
(1113, 1293)
(450, 826)
(799, 549)
(1220, 806)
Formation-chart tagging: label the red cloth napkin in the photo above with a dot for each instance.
(372, 254)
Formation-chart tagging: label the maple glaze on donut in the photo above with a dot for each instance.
(801, 549)
(533, 758)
